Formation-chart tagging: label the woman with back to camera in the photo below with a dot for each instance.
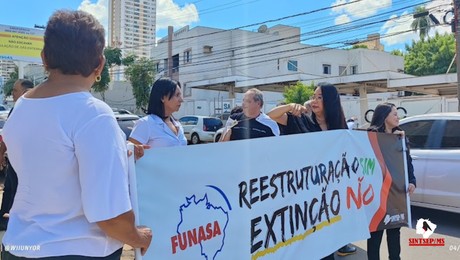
(72, 200)
(385, 120)
(327, 114)
(159, 128)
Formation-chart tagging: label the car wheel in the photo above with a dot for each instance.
(217, 138)
(195, 139)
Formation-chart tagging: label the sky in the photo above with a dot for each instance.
(331, 23)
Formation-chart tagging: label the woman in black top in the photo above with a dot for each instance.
(327, 115)
(385, 120)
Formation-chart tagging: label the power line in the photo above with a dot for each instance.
(331, 31)
(258, 23)
(319, 49)
(316, 21)
(322, 32)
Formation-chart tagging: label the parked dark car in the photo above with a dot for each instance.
(126, 122)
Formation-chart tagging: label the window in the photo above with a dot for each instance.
(188, 120)
(207, 49)
(212, 124)
(354, 70)
(165, 67)
(451, 137)
(292, 65)
(157, 67)
(342, 70)
(327, 69)
(188, 56)
(175, 59)
(417, 133)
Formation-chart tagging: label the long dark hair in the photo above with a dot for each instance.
(161, 88)
(333, 111)
(378, 118)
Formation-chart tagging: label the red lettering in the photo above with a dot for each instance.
(174, 244)
(191, 236)
(351, 193)
(195, 236)
(216, 230)
(367, 198)
(208, 231)
(201, 235)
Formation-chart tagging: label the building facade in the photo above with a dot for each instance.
(132, 26)
(225, 63)
(208, 57)
(6, 68)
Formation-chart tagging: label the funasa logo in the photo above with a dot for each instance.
(202, 225)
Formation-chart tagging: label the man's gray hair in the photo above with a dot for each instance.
(258, 95)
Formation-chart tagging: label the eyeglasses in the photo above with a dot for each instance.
(318, 98)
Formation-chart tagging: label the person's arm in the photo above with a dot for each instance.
(279, 113)
(2, 154)
(122, 228)
(134, 141)
(138, 148)
(410, 170)
(103, 179)
(226, 135)
(410, 167)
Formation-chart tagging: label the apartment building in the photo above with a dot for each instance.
(132, 26)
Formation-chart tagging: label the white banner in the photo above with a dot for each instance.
(282, 197)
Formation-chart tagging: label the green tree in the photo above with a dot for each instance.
(430, 57)
(299, 93)
(8, 87)
(102, 86)
(359, 46)
(128, 60)
(112, 58)
(423, 23)
(397, 53)
(141, 75)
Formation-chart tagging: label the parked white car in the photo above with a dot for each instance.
(434, 141)
(199, 129)
(218, 134)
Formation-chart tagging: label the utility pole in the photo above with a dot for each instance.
(170, 61)
(457, 47)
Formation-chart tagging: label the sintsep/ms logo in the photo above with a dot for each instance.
(203, 222)
(426, 228)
